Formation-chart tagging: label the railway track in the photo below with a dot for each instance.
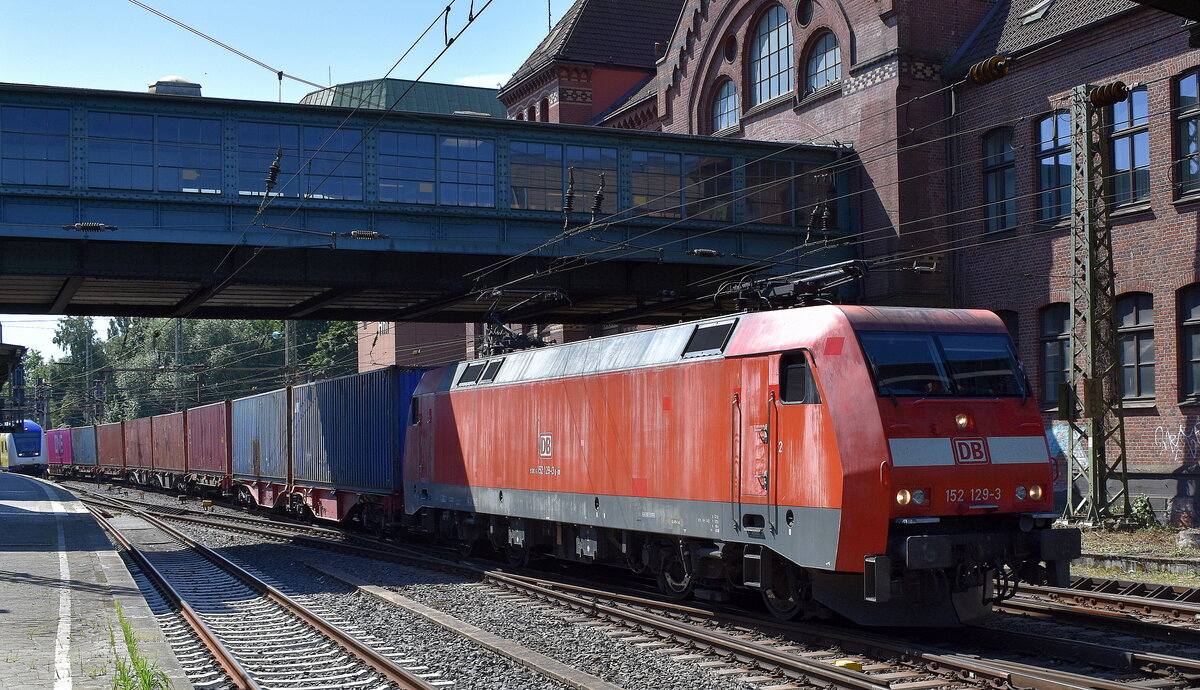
(801, 654)
(257, 635)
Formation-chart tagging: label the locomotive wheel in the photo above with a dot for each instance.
(674, 580)
(783, 598)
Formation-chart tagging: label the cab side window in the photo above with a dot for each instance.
(796, 383)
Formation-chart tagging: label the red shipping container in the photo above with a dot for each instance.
(58, 447)
(139, 443)
(110, 444)
(208, 447)
(170, 451)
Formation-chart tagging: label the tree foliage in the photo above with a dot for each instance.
(138, 369)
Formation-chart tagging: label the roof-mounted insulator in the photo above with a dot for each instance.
(988, 70)
(1106, 95)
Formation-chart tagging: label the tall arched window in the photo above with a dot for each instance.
(1135, 327)
(771, 65)
(725, 107)
(1054, 166)
(999, 181)
(1189, 327)
(824, 64)
(1055, 336)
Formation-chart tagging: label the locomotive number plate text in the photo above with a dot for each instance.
(972, 495)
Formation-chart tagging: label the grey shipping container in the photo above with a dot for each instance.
(83, 442)
(348, 432)
(260, 438)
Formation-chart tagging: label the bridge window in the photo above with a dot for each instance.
(333, 163)
(769, 192)
(707, 187)
(189, 155)
(467, 172)
(589, 163)
(535, 176)
(407, 165)
(35, 146)
(120, 151)
(655, 183)
(258, 143)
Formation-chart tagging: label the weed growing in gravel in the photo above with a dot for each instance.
(136, 672)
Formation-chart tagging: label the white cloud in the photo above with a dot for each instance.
(490, 81)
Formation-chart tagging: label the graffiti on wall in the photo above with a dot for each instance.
(1181, 443)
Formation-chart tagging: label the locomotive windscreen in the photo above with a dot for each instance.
(943, 364)
(27, 443)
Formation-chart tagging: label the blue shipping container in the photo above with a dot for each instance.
(348, 432)
(83, 442)
(260, 443)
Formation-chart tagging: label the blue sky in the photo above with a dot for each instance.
(115, 44)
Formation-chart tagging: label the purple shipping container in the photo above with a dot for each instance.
(348, 432)
(208, 439)
(83, 445)
(58, 447)
(260, 437)
(110, 444)
(139, 443)
(170, 451)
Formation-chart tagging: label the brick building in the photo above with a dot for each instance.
(973, 179)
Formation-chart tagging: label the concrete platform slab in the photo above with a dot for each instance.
(60, 581)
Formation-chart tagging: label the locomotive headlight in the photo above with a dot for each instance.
(1035, 493)
(918, 497)
(1021, 493)
(903, 497)
(963, 420)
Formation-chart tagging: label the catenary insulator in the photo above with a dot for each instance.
(1108, 94)
(988, 70)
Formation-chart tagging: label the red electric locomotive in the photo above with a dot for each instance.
(882, 463)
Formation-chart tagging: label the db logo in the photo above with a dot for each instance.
(545, 445)
(969, 451)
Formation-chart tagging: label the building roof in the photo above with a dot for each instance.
(1014, 26)
(613, 32)
(415, 96)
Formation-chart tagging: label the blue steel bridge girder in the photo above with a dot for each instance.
(181, 179)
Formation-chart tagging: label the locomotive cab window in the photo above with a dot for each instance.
(796, 384)
(943, 364)
(489, 374)
(414, 412)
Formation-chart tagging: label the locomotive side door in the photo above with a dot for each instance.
(752, 419)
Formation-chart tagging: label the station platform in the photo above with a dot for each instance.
(60, 581)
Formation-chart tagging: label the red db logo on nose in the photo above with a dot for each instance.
(970, 451)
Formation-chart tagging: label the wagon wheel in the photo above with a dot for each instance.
(516, 555)
(674, 580)
(783, 597)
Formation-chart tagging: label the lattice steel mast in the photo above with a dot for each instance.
(1095, 355)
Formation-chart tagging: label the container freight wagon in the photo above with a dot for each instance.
(139, 450)
(60, 459)
(209, 452)
(169, 456)
(348, 443)
(261, 450)
(83, 446)
(110, 449)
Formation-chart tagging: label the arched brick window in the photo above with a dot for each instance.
(544, 110)
(725, 106)
(771, 71)
(1135, 328)
(824, 64)
(999, 181)
(1055, 337)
